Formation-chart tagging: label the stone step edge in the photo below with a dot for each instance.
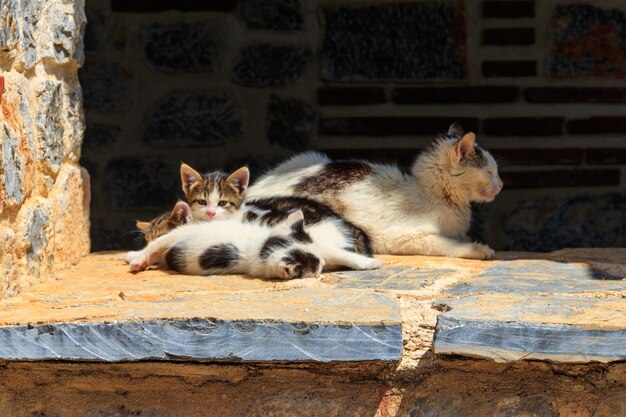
(201, 339)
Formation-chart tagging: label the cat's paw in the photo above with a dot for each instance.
(138, 263)
(131, 255)
(479, 251)
(371, 263)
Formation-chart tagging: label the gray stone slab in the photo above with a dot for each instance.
(201, 339)
(401, 278)
(539, 276)
(505, 341)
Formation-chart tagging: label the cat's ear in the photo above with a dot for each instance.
(189, 177)
(240, 179)
(182, 213)
(143, 226)
(456, 130)
(465, 147)
(294, 219)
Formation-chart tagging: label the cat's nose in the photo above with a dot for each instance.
(210, 214)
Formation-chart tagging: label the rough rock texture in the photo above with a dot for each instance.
(400, 41)
(282, 15)
(588, 41)
(266, 65)
(44, 194)
(291, 123)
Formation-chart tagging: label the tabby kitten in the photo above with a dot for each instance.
(426, 212)
(180, 214)
(232, 247)
(213, 195)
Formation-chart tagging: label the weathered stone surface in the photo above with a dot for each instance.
(12, 174)
(135, 182)
(185, 47)
(100, 136)
(510, 340)
(399, 41)
(49, 126)
(105, 86)
(551, 223)
(194, 118)
(70, 198)
(291, 123)
(266, 65)
(281, 15)
(36, 29)
(588, 41)
(513, 406)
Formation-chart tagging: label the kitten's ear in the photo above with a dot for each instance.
(143, 226)
(295, 218)
(182, 213)
(188, 177)
(455, 130)
(465, 147)
(240, 179)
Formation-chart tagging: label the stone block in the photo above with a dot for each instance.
(580, 220)
(135, 182)
(588, 41)
(291, 123)
(105, 86)
(266, 65)
(70, 198)
(194, 118)
(99, 137)
(185, 46)
(280, 15)
(12, 170)
(37, 29)
(49, 126)
(399, 41)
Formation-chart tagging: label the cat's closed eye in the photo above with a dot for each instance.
(201, 202)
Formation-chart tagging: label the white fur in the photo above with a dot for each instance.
(425, 213)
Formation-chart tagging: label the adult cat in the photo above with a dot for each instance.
(427, 212)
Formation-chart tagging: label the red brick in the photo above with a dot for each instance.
(419, 95)
(575, 95)
(560, 178)
(392, 126)
(152, 6)
(597, 125)
(509, 68)
(509, 36)
(509, 9)
(538, 156)
(350, 95)
(606, 156)
(524, 126)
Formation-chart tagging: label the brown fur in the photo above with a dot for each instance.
(166, 222)
(334, 176)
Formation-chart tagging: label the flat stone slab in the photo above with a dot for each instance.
(99, 311)
(565, 306)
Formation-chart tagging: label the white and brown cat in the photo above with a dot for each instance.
(426, 212)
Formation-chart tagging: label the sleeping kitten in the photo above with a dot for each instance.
(231, 247)
(342, 243)
(180, 214)
(425, 213)
(213, 195)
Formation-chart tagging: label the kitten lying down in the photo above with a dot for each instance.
(285, 250)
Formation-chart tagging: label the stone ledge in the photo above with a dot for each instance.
(566, 306)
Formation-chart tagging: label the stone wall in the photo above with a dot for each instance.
(220, 83)
(44, 193)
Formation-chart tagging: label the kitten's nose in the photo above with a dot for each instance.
(210, 214)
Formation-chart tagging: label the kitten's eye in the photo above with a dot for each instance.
(490, 173)
(222, 203)
(201, 202)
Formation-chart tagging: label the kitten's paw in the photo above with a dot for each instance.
(131, 255)
(479, 251)
(138, 264)
(371, 263)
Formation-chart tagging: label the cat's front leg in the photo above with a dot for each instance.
(436, 245)
(341, 257)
